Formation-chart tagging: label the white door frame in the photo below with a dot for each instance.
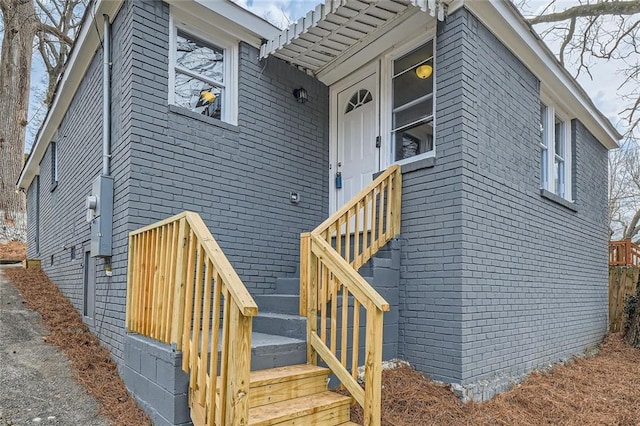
(334, 111)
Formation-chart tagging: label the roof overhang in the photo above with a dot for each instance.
(243, 24)
(507, 23)
(338, 29)
(76, 66)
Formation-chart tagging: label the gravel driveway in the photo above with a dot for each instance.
(36, 383)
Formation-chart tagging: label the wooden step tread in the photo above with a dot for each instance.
(285, 411)
(349, 424)
(285, 374)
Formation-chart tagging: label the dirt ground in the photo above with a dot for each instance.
(90, 362)
(13, 250)
(599, 390)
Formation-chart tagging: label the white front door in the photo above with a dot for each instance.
(356, 154)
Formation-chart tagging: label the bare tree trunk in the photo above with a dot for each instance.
(20, 23)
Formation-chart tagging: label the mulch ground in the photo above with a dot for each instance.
(91, 363)
(13, 250)
(598, 390)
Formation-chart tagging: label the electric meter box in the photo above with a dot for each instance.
(100, 213)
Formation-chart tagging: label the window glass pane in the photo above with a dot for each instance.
(412, 113)
(411, 59)
(414, 140)
(559, 172)
(412, 87)
(201, 58)
(559, 137)
(543, 125)
(409, 86)
(198, 96)
(543, 168)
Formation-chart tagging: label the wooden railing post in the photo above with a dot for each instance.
(130, 284)
(397, 202)
(373, 367)
(305, 253)
(627, 252)
(180, 286)
(312, 300)
(237, 398)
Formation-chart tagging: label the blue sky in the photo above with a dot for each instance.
(603, 88)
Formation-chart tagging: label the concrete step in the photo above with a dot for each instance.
(287, 285)
(286, 325)
(278, 303)
(271, 351)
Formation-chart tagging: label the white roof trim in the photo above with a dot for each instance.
(506, 23)
(244, 25)
(238, 22)
(79, 60)
(335, 28)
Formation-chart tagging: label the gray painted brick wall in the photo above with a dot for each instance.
(495, 279)
(238, 178)
(489, 285)
(430, 279)
(515, 281)
(62, 211)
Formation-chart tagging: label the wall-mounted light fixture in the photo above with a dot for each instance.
(301, 95)
(424, 71)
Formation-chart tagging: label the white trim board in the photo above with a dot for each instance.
(75, 69)
(242, 24)
(518, 37)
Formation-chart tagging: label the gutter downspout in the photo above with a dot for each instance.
(106, 98)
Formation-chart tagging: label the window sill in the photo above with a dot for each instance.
(558, 200)
(423, 163)
(209, 120)
(53, 187)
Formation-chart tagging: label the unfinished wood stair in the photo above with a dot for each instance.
(295, 395)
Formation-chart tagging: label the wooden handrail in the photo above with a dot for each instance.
(624, 253)
(182, 290)
(333, 293)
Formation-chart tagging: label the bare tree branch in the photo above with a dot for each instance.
(55, 32)
(585, 10)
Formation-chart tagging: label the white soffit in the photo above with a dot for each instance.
(330, 30)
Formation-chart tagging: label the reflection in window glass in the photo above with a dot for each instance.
(543, 146)
(412, 119)
(413, 140)
(199, 76)
(198, 96)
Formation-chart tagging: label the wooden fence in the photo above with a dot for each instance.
(624, 253)
(622, 284)
(182, 290)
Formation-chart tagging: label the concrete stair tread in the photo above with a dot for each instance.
(286, 373)
(259, 340)
(279, 315)
(287, 411)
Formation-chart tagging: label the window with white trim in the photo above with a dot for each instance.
(555, 154)
(413, 107)
(54, 163)
(202, 74)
